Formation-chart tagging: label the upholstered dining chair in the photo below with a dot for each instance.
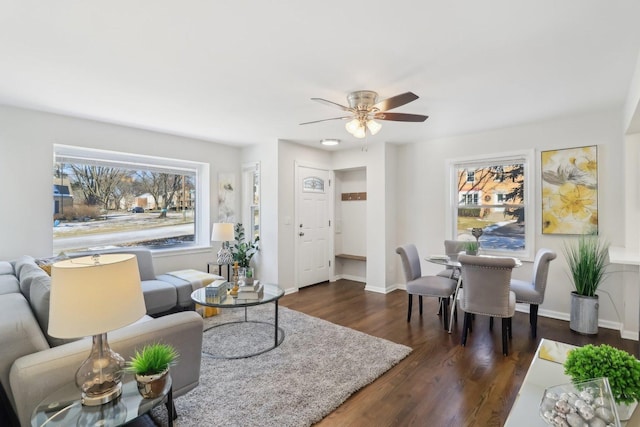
(452, 248)
(430, 286)
(532, 292)
(486, 292)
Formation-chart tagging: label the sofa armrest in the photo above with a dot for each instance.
(35, 376)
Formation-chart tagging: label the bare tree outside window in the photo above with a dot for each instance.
(98, 206)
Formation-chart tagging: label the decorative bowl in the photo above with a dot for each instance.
(588, 403)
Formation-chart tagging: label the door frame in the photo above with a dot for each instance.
(330, 214)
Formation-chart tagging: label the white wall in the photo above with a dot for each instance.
(26, 162)
(422, 196)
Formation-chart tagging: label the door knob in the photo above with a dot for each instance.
(301, 234)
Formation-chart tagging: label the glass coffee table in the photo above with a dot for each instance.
(272, 293)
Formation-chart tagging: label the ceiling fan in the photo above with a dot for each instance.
(364, 107)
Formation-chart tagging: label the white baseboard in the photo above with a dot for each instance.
(349, 277)
(607, 324)
(376, 289)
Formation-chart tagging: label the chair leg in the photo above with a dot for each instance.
(491, 323)
(409, 308)
(445, 317)
(533, 319)
(510, 328)
(420, 304)
(505, 331)
(439, 306)
(466, 326)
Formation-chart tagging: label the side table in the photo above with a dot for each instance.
(213, 264)
(63, 407)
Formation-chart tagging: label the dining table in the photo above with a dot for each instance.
(456, 271)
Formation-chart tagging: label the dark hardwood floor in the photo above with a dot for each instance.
(440, 383)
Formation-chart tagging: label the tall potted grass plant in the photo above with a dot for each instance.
(587, 260)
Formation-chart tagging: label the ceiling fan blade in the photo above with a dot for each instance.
(331, 103)
(396, 101)
(326, 120)
(400, 117)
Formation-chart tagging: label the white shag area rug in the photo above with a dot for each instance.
(316, 368)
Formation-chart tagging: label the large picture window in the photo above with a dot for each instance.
(497, 200)
(104, 199)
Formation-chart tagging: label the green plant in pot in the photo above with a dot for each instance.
(471, 247)
(621, 368)
(243, 250)
(587, 260)
(151, 368)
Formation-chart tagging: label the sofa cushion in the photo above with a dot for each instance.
(20, 333)
(28, 273)
(39, 298)
(5, 268)
(159, 296)
(21, 262)
(9, 284)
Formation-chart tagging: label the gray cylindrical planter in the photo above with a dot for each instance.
(584, 314)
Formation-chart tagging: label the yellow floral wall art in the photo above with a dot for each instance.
(570, 191)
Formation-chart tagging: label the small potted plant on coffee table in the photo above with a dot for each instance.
(621, 368)
(151, 368)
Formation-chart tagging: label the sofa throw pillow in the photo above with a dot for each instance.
(46, 263)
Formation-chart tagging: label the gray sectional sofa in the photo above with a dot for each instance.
(162, 294)
(33, 364)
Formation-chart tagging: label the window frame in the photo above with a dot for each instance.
(525, 157)
(141, 161)
(251, 173)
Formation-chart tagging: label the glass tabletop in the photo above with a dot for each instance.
(271, 293)
(444, 260)
(63, 407)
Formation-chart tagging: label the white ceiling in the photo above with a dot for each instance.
(243, 72)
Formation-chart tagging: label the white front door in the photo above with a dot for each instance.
(312, 225)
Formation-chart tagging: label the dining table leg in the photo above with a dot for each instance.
(454, 307)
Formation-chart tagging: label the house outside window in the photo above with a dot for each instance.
(469, 198)
(120, 199)
(498, 200)
(470, 176)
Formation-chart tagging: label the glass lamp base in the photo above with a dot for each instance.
(100, 399)
(99, 376)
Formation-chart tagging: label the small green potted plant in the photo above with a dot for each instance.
(621, 368)
(471, 247)
(151, 368)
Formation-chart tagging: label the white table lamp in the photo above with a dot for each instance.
(90, 296)
(223, 232)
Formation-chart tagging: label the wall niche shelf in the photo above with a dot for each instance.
(353, 257)
(346, 197)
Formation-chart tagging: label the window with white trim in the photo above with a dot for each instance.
(498, 200)
(251, 192)
(104, 199)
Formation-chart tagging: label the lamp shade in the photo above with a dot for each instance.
(222, 232)
(94, 294)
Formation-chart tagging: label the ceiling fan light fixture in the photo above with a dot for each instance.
(361, 132)
(352, 126)
(330, 141)
(373, 126)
